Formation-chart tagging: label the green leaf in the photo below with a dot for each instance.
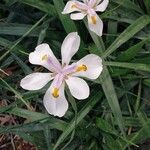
(17, 94)
(147, 82)
(105, 126)
(43, 6)
(84, 111)
(147, 4)
(134, 28)
(130, 53)
(129, 5)
(107, 84)
(21, 29)
(111, 143)
(24, 67)
(140, 135)
(135, 66)
(35, 116)
(21, 38)
(68, 24)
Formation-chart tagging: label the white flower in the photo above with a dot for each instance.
(54, 100)
(89, 8)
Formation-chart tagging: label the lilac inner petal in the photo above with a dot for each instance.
(91, 12)
(81, 6)
(69, 69)
(55, 66)
(58, 80)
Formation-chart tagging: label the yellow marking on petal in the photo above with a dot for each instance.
(81, 68)
(74, 6)
(93, 19)
(45, 57)
(55, 92)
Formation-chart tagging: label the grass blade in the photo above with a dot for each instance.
(107, 83)
(68, 24)
(86, 109)
(127, 34)
(43, 6)
(135, 66)
(20, 39)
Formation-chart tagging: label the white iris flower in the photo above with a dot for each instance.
(89, 66)
(89, 8)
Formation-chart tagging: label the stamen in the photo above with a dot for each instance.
(55, 92)
(45, 57)
(81, 68)
(94, 20)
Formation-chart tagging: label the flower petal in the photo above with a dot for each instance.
(35, 81)
(95, 24)
(58, 80)
(81, 6)
(77, 16)
(69, 47)
(93, 64)
(102, 6)
(78, 87)
(55, 106)
(44, 56)
(92, 3)
(70, 7)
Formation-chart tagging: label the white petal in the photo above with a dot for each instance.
(41, 51)
(93, 64)
(77, 16)
(95, 25)
(78, 87)
(35, 81)
(70, 7)
(55, 106)
(69, 47)
(102, 6)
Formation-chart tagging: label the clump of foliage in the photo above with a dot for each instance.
(115, 116)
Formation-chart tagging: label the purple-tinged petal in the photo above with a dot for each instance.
(91, 12)
(44, 56)
(69, 69)
(58, 80)
(81, 6)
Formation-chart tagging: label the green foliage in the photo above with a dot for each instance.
(116, 115)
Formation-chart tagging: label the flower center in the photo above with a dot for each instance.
(65, 73)
(88, 9)
(61, 73)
